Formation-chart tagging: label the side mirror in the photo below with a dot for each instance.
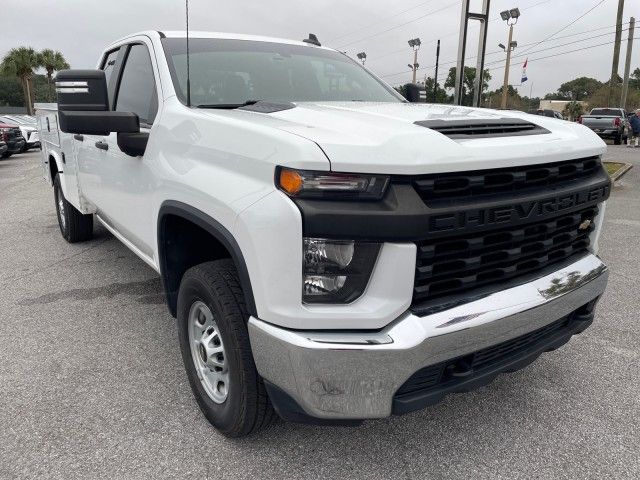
(133, 144)
(83, 105)
(415, 93)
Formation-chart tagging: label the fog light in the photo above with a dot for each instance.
(336, 271)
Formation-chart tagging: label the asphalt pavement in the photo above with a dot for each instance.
(92, 382)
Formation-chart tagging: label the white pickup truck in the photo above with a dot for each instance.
(330, 251)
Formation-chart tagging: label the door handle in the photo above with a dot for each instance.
(79, 137)
(102, 145)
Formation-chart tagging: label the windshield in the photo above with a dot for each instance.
(232, 72)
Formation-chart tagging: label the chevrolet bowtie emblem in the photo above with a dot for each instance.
(584, 225)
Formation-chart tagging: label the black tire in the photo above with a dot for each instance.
(6, 155)
(74, 226)
(617, 140)
(246, 408)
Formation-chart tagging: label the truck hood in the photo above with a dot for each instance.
(384, 138)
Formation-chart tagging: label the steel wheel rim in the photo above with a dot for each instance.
(61, 217)
(207, 352)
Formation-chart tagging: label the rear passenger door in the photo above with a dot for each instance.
(127, 183)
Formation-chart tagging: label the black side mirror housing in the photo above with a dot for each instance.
(83, 105)
(133, 144)
(415, 93)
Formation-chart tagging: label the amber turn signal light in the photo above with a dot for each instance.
(290, 181)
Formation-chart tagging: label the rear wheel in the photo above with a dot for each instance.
(6, 155)
(214, 340)
(74, 226)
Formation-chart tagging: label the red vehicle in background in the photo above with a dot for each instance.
(12, 136)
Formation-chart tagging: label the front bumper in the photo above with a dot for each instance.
(356, 375)
(16, 146)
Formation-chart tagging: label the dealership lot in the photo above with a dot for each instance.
(92, 383)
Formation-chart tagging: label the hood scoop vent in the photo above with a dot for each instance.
(483, 128)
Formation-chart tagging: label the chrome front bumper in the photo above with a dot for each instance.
(355, 375)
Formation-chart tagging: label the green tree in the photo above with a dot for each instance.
(52, 62)
(634, 80)
(441, 94)
(21, 62)
(579, 88)
(468, 80)
(572, 111)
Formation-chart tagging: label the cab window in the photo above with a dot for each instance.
(108, 66)
(137, 91)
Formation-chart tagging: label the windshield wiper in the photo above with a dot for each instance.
(228, 106)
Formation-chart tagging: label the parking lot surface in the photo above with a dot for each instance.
(92, 383)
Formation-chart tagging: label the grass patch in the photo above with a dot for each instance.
(613, 167)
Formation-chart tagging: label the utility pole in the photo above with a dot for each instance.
(627, 64)
(414, 43)
(435, 78)
(616, 50)
(505, 85)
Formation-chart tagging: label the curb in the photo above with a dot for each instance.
(621, 171)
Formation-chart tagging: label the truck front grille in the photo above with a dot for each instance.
(463, 185)
(452, 265)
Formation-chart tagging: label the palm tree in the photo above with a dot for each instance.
(21, 62)
(52, 61)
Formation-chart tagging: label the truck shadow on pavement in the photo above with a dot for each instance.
(149, 292)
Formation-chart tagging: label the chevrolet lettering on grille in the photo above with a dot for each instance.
(532, 210)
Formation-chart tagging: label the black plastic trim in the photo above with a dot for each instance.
(402, 215)
(483, 128)
(215, 229)
(291, 411)
(415, 401)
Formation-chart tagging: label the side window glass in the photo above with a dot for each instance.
(108, 67)
(137, 90)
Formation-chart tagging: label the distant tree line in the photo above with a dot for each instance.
(20, 85)
(582, 89)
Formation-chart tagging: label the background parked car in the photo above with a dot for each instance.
(608, 123)
(12, 136)
(546, 112)
(28, 128)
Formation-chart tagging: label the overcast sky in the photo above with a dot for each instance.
(81, 28)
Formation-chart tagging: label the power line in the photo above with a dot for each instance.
(401, 25)
(378, 23)
(564, 53)
(520, 55)
(451, 34)
(533, 44)
(567, 25)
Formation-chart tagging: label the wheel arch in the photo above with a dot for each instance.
(171, 209)
(55, 166)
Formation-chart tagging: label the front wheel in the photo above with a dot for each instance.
(214, 341)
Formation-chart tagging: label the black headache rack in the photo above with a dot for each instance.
(483, 128)
(429, 385)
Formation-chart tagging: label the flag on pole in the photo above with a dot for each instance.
(524, 71)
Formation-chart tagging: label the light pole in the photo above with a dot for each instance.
(362, 57)
(511, 17)
(414, 43)
(435, 78)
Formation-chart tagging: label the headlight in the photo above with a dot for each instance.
(336, 271)
(331, 185)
